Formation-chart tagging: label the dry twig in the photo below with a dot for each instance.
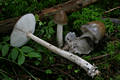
(112, 9)
(99, 57)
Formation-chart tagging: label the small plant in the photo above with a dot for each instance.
(84, 16)
(44, 29)
(48, 71)
(18, 54)
(4, 76)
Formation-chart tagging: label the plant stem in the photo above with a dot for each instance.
(60, 35)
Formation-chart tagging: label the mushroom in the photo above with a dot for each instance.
(23, 31)
(80, 45)
(92, 33)
(60, 19)
(94, 30)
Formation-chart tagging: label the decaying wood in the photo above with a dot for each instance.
(70, 6)
(7, 25)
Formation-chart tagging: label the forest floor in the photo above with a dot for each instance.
(33, 61)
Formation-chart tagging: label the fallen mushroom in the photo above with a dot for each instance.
(23, 31)
(95, 29)
(60, 19)
(78, 45)
(92, 33)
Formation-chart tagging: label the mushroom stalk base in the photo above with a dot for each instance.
(91, 69)
(60, 35)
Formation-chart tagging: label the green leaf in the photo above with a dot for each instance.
(34, 54)
(5, 50)
(87, 57)
(117, 57)
(4, 76)
(76, 71)
(48, 71)
(40, 23)
(7, 78)
(39, 58)
(6, 3)
(14, 54)
(21, 59)
(37, 17)
(37, 62)
(59, 78)
(0, 47)
(51, 59)
(0, 4)
(27, 49)
(117, 77)
(70, 66)
(111, 79)
(7, 38)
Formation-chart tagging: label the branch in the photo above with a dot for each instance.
(70, 6)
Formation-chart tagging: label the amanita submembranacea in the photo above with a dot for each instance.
(23, 31)
(60, 19)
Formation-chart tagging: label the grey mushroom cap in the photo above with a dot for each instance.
(24, 25)
(93, 30)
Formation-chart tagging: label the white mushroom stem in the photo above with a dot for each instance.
(60, 35)
(91, 69)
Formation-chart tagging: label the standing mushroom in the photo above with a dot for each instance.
(60, 19)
